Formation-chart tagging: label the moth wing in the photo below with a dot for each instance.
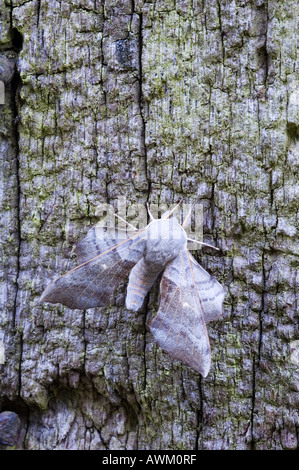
(98, 240)
(210, 292)
(179, 326)
(105, 261)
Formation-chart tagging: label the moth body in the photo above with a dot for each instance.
(165, 238)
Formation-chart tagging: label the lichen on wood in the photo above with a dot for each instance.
(157, 101)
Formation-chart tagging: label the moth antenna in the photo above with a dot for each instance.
(172, 210)
(125, 221)
(187, 217)
(149, 212)
(202, 243)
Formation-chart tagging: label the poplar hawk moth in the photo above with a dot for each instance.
(189, 297)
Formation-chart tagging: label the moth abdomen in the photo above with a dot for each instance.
(141, 280)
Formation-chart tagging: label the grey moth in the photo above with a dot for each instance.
(189, 297)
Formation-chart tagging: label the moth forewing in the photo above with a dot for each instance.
(99, 240)
(179, 326)
(210, 291)
(93, 282)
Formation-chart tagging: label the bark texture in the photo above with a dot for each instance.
(153, 100)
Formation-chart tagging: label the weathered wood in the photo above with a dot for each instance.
(156, 101)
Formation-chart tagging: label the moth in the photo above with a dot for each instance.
(189, 297)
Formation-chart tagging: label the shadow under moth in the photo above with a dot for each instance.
(189, 297)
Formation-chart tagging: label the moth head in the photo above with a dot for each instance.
(165, 239)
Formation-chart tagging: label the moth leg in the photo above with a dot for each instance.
(126, 222)
(187, 217)
(202, 243)
(169, 213)
(149, 212)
